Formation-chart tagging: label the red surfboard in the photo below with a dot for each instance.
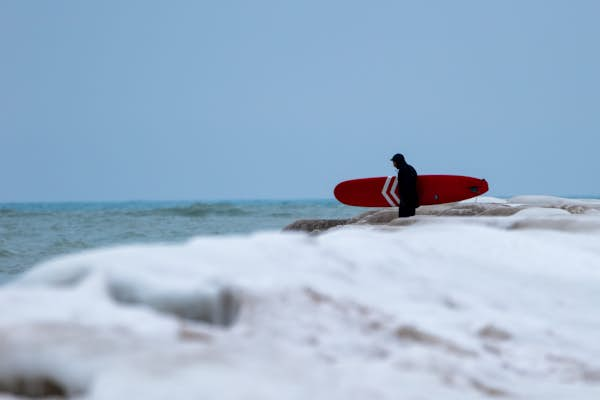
(432, 189)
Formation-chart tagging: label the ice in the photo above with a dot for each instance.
(446, 307)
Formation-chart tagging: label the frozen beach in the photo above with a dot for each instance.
(482, 299)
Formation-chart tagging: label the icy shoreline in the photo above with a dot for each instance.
(521, 207)
(449, 307)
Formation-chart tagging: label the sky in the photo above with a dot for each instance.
(198, 100)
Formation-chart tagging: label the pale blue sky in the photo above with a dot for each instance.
(119, 100)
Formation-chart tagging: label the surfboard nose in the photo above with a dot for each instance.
(484, 186)
(481, 188)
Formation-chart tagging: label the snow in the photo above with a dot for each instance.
(447, 307)
(551, 201)
(542, 212)
(485, 200)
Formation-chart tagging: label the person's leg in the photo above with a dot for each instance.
(403, 211)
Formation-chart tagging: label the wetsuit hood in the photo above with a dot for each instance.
(399, 159)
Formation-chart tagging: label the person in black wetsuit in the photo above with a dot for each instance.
(407, 187)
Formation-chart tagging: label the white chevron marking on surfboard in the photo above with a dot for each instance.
(393, 192)
(384, 192)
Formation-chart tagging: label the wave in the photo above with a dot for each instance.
(7, 253)
(11, 212)
(197, 210)
(282, 214)
(66, 246)
(191, 210)
(29, 212)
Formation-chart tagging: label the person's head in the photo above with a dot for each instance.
(398, 160)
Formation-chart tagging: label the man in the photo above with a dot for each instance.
(407, 187)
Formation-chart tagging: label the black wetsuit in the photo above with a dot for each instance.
(407, 189)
